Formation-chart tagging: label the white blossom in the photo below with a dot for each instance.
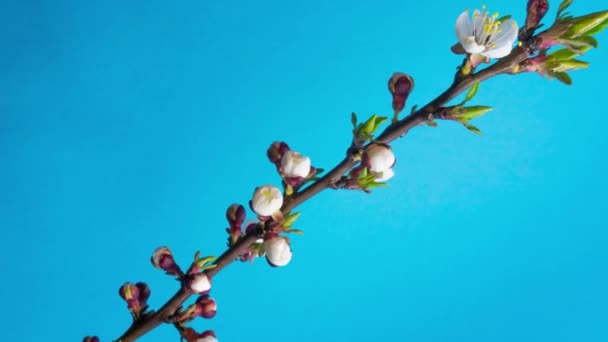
(200, 283)
(485, 35)
(380, 158)
(293, 164)
(278, 252)
(266, 200)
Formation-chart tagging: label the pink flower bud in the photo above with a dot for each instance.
(207, 307)
(199, 283)
(400, 85)
(536, 11)
(90, 339)
(275, 152)
(162, 258)
(130, 293)
(207, 336)
(293, 165)
(235, 215)
(266, 200)
(278, 252)
(379, 158)
(144, 293)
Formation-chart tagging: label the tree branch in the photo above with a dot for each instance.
(392, 132)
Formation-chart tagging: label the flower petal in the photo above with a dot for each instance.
(479, 19)
(463, 26)
(471, 46)
(508, 33)
(499, 52)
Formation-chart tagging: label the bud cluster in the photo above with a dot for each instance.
(136, 296)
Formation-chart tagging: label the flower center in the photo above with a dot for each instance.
(488, 27)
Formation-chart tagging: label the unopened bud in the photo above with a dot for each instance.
(400, 85)
(90, 339)
(162, 258)
(275, 152)
(235, 215)
(130, 293)
(207, 306)
(278, 252)
(536, 11)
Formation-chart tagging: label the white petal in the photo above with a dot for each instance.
(463, 26)
(471, 46)
(478, 21)
(499, 52)
(508, 33)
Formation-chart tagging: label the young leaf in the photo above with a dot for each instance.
(599, 28)
(472, 128)
(563, 77)
(290, 219)
(471, 93)
(296, 231)
(562, 55)
(562, 7)
(582, 25)
(570, 65)
(353, 119)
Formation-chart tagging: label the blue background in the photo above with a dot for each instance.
(125, 126)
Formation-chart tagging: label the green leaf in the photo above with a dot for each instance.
(588, 40)
(353, 119)
(290, 219)
(506, 17)
(570, 65)
(563, 77)
(205, 260)
(469, 113)
(471, 93)
(379, 120)
(562, 55)
(562, 7)
(599, 28)
(296, 231)
(373, 185)
(472, 128)
(582, 25)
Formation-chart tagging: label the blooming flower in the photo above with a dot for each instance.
(199, 283)
(379, 158)
(293, 164)
(266, 200)
(485, 35)
(278, 252)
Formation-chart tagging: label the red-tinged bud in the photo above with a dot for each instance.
(235, 215)
(207, 306)
(400, 85)
(536, 11)
(275, 152)
(162, 258)
(130, 293)
(207, 336)
(90, 339)
(144, 293)
(199, 283)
